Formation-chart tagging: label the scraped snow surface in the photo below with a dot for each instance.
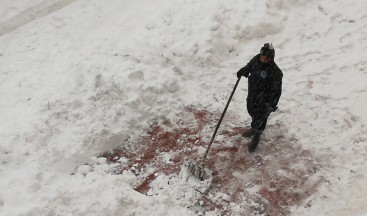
(80, 77)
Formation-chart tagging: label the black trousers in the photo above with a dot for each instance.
(259, 115)
(258, 124)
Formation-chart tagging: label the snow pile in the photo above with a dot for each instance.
(79, 78)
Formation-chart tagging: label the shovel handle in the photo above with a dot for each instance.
(221, 118)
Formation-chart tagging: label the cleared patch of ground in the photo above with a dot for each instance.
(280, 174)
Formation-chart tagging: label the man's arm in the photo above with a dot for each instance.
(275, 90)
(245, 71)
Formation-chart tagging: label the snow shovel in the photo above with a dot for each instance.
(198, 170)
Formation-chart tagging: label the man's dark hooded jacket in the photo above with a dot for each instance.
(264, 86)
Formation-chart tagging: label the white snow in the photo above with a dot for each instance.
(78, 77)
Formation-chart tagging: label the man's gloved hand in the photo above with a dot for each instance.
(242, 72)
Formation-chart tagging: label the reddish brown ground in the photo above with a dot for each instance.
(282, 170)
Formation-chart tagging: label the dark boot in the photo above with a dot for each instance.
(255, 141)
(248, 132)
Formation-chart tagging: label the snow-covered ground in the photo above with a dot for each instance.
(81, 77)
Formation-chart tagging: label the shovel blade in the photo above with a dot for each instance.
(198, 171)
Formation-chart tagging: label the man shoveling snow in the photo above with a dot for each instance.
(264, 90)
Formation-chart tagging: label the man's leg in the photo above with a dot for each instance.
(258, 123)
(258, 126)
(254, 141)
(249, 132)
